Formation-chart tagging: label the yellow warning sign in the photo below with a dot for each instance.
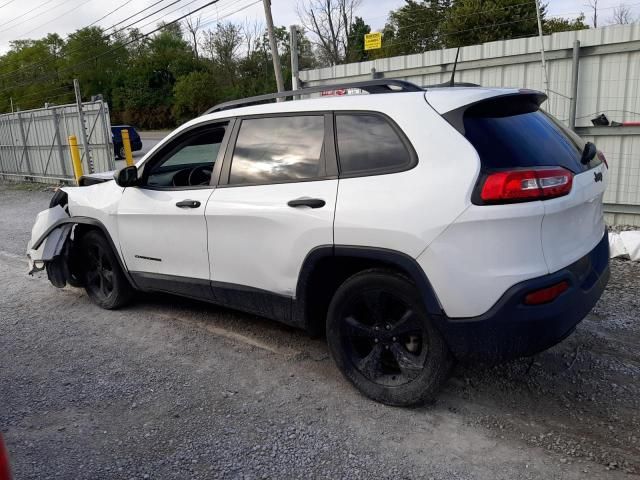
(373, 41)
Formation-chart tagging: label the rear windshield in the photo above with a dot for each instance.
(528, 139)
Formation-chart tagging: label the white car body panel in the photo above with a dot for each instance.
(156, 236)
(574, 224)
(484, 252)
(405, 211)
(257, 240)
(99, 201)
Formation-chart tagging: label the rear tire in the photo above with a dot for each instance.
(383, 341)
(103, 278)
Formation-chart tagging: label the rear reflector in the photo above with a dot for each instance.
(5, 474)
(545, 295)
(526, 185)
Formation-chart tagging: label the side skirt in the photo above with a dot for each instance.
(229, 295)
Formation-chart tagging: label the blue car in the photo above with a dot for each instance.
(134, 137)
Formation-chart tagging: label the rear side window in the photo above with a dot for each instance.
(528, 139)
(368, 144)
(278, 149)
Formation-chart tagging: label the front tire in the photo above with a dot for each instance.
(383, 341)
(103, 278)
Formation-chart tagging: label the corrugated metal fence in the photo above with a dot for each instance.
(34, 143)
(608, 82)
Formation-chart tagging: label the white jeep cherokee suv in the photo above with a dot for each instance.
(414, 227)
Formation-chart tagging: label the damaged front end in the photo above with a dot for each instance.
(51, 244)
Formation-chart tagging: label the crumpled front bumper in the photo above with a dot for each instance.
(53, 243)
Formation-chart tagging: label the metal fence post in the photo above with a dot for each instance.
(83, 126)
(25, 151)
(56, 121)
(574, 85)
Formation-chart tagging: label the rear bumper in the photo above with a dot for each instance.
(511, 329)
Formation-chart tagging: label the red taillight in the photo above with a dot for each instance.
(524, 185)
(546, 295)
(603, 159)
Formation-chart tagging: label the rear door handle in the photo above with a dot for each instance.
(188, 204)
(307, 202)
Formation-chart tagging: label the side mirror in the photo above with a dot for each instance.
(127, 176)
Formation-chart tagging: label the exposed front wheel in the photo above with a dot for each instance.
(122, 154)
(382, 339)
(103, 279)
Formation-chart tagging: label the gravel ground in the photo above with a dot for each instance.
(173, 389)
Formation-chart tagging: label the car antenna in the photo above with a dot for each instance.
(452, 82)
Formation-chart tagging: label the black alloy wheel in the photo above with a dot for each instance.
(103, 278)
(383, 341)
(99, 272)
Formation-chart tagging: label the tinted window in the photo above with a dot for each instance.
(368, 143)
(524, 140)
(175, 164)
(278, 149)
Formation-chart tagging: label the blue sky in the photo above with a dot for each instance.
(35, 18)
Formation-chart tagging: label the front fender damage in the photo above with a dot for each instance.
(54, 252)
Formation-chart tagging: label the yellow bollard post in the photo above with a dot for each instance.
(126, 143)
(75, 157)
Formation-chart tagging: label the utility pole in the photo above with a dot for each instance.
(293, 46)
(11, 100)
(83, 126)
(274, 46)
(544, 64)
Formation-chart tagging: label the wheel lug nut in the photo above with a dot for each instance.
(388, 327)
(375, 340)
(394, 339)
(386, 347)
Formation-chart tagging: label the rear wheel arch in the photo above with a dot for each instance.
(327, 267)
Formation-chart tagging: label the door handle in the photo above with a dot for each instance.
(307, 202)
(188, 204)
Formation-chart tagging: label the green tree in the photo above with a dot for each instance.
(554, 25)
(470, 22)
(415, 27)
(355, 42)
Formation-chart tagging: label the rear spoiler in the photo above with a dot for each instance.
(524, 101)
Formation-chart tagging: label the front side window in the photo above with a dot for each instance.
(368, 144)
(278, 149)
(188, 160)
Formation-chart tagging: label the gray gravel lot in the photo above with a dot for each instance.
(173, 389)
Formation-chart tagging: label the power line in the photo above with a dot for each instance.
(151, 14)
(122, 45)
(46, 62)
(208, 20)
(135, 14)
(55, 18)
(475, 14)
(5, 4)
(26, 13)
(127, 2)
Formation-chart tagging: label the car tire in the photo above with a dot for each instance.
(103, 278)
(383, 341)
(122, 154)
